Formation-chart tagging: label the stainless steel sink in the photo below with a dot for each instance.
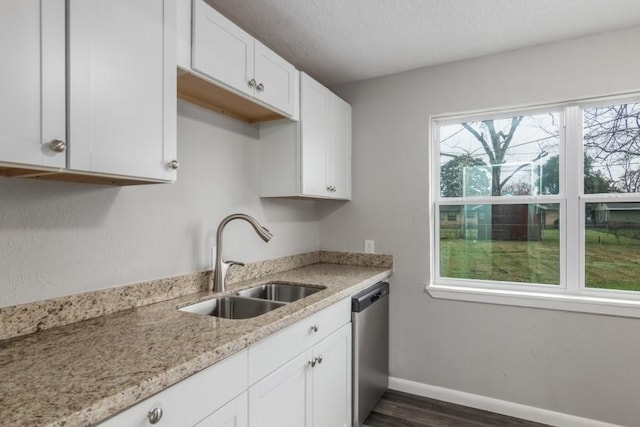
(278, 291)
(231, 307)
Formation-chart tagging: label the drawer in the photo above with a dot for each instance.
(267, 355)
(191, 400)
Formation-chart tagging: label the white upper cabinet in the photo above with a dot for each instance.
(221, 50)
(315, 137)
(276, 80)
(122, 74)
(32, 82)
(339, 151)
(310, 158)
(87, 90)
(212, 49)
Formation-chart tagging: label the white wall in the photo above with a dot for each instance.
(63, 238)
(578, 364)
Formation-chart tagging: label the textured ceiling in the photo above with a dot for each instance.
(340, 41)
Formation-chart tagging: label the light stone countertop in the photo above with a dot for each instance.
(84, 372)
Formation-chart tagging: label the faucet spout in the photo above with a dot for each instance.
(221, 267)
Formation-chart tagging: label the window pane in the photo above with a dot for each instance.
(612, 149)
(612, 246)
(513, 243)
(500, 157)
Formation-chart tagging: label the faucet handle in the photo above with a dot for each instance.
(230, 263)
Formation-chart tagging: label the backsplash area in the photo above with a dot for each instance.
(32, 317)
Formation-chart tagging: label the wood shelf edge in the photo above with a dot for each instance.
(72, 176)
(196, 90)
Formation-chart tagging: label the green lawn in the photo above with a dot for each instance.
(613, 262)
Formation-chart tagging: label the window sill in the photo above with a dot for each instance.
(577, 303)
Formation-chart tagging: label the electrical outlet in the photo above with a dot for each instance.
(369, 247)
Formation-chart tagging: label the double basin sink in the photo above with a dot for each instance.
(254, 301)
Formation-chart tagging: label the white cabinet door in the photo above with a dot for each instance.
(275, 80)
(313, 389)
(339, 157)
(212, 397)
(32, 81)
(233, 414)
(221, 50)
(313, 155)
(122, 77)
(282, 398)
(314, 129)
(331, 394)
(216, 50)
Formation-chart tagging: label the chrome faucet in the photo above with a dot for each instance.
(221, 267)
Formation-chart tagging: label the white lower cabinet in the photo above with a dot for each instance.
(282, 398)
(298, 377)
(331, 381)
(312, 390)
(215, 396)
(233, 414)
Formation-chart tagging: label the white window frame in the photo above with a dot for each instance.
(570, 294)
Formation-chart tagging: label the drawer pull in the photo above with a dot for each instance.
(155, 415)
(315, 327)
(315, 361)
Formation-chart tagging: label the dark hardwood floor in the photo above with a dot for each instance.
(397, 409)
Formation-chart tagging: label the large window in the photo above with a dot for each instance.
(539, 204)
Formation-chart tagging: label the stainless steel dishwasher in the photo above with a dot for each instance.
(370, 323)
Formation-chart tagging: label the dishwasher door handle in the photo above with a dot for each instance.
(375, 297)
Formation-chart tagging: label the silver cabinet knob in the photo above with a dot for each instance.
(319, 358)
(313, 362)
(252, 83)
(155, 415)
(58, 145)
(315, 328)
(173, 164)
(260, 87)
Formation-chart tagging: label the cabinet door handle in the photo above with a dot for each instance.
(58, 145)
(315, 327)
(173, 164)
(313, 362)
(155, 415)
(319, 359)
(260, 87)
(252, 83)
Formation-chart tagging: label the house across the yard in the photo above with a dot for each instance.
(623, 214)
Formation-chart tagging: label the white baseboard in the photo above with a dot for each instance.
(485, 403)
